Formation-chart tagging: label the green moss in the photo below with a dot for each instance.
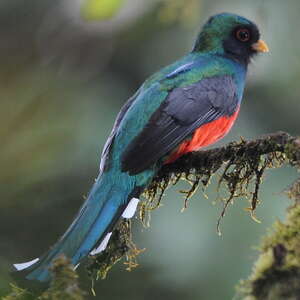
(19, 294)
(240, 167)
(64, 284)
(263, 264)
(119, 246)
(277, 271)
(292, 151)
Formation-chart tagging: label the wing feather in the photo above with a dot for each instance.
(184, 110)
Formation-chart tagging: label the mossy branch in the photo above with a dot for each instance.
(276, 273)
(210, 161)
(64, 285)
(239, 164)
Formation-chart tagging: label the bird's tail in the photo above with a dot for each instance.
(90, 231)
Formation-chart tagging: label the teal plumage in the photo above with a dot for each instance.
(200, 88)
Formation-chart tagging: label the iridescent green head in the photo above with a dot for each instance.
(231, 35)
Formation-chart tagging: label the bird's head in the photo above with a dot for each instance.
(230, 35)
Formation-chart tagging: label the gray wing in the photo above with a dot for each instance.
(184, 110)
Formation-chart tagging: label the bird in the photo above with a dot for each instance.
(183, 107)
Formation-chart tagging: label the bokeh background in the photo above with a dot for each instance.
(66, 68)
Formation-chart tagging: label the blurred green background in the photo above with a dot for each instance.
(66, 69)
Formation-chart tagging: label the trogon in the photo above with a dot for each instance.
(185, 106)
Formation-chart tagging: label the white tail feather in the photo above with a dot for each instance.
(103, 245)
(26, 265)
(127, 214)
(129, 211)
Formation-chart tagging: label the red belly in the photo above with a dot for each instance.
(205, 135)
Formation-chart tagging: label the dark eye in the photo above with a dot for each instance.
(243, 35)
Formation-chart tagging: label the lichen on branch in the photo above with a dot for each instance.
(120, 246)
(241, 166)
(240, 163)
(276, 273)
(64, 285)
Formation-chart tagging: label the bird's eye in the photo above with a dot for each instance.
(243, 34)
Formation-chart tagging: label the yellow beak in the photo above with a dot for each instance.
(260, 46)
